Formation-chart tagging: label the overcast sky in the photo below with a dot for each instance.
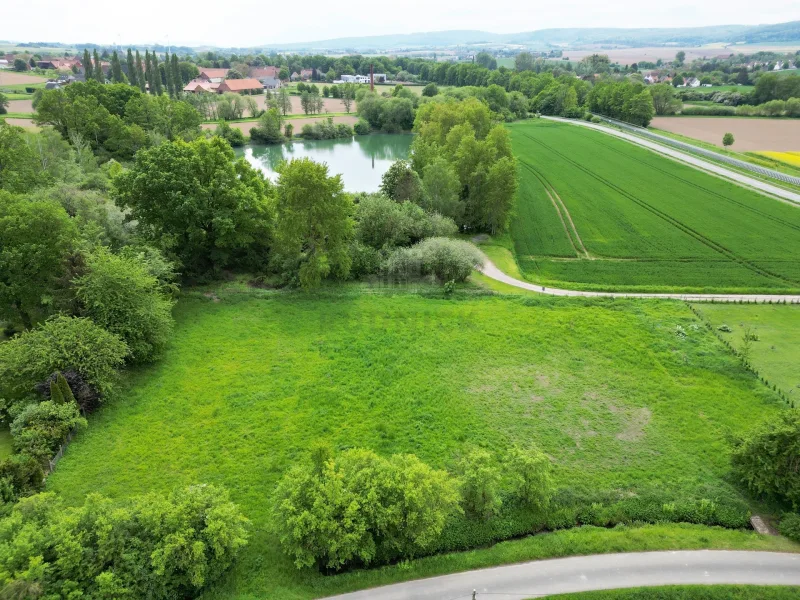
(261, 23)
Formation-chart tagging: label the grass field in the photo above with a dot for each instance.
(690, 592)
(595, 212)
(619, 401)
(776, 353)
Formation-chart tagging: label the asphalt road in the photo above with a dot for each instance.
(599, 572)
(705, 165)
(490, 270)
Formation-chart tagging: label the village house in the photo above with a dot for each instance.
(213, 75)
(295, 76)
(260, 72)
(306, 74)
(200, 85)
(270, 83)
(241, 86)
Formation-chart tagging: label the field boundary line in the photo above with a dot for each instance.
(762, 187)
(490, 270)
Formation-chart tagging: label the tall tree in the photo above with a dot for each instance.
(314, 225)
(116, 68)
(168, 76)
(148, 72)
(98, 68)
(156, 74)
(177, 81)
(131, 69)
(88, 68)
(140, 76)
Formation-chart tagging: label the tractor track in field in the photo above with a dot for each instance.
(704, 189)
(708, 242)
(561, 209)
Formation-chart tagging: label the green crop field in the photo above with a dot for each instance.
(776, 352)
(622, 401)
(689, 592)
(595, 212)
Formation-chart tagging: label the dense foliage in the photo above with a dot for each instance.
(119, 294)
(200, 205)
(144, 547)
(358, 506)
(767, 460)
(443, 258)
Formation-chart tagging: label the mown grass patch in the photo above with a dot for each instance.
(647, 223)
(776, 352)
(621, 402)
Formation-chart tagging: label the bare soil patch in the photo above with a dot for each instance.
(26, 123)
(333, 105)
(751, 135)
(13, 78)
(245, 126)
(21, 106)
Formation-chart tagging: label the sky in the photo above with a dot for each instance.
(245, 23)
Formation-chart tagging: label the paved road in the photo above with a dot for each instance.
(600, 572)
(757, 184)
(490, 270)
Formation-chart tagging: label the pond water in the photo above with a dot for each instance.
(361, 160)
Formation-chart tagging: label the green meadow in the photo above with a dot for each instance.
(626, 397)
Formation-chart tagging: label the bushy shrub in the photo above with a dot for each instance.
(233, 135)
(361, 127)
(60, 344)
(41, 428)
(790, 526)
(20, 475)
(85, 396)
(118, 293)
(766, 459)
(333, 512)
(444, 258)
(145, 547)
(383, 223)
(596, 119)
(366, 260)
(480, 480)
(709, 111)
(326, 130)
(530, 475)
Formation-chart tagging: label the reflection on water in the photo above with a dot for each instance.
(361, 161)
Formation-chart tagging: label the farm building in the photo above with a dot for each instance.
(200, 85)
(59, 63)
(356, 78)
(241, 86)
(262, 72)
(270, 83)
(306, 74)
(214, 75)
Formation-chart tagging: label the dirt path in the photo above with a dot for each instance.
(490, 270)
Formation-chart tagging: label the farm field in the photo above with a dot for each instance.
(26, 123)
(621, 403)
(667, 53)
(20, 106)
(776, 353)
(756, 134)
(9, 78)
(792, 158)
(595, 212)
(689, 592)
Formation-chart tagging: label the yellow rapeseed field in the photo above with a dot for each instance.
(792, 158)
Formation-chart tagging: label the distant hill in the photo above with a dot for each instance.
(689, 36)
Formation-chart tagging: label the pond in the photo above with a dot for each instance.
(361, 160)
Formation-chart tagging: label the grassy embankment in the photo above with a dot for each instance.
(690, 592)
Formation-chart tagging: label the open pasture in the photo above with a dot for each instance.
(596, 212)
(751, 134)
(252, 378)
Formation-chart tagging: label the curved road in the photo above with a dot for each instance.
(599, 572)
(490, 270)
(699, 163)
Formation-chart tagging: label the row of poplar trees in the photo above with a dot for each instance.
(144, 74)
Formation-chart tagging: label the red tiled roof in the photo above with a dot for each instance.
(214, 73)
(257, 72)
(239, 85)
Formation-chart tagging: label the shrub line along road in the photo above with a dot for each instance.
(699, 163)
(490, 270)
(598, 572)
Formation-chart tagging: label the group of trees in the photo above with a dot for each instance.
(115, 120)
(623, 100)
(144, 547)
(359, 508)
